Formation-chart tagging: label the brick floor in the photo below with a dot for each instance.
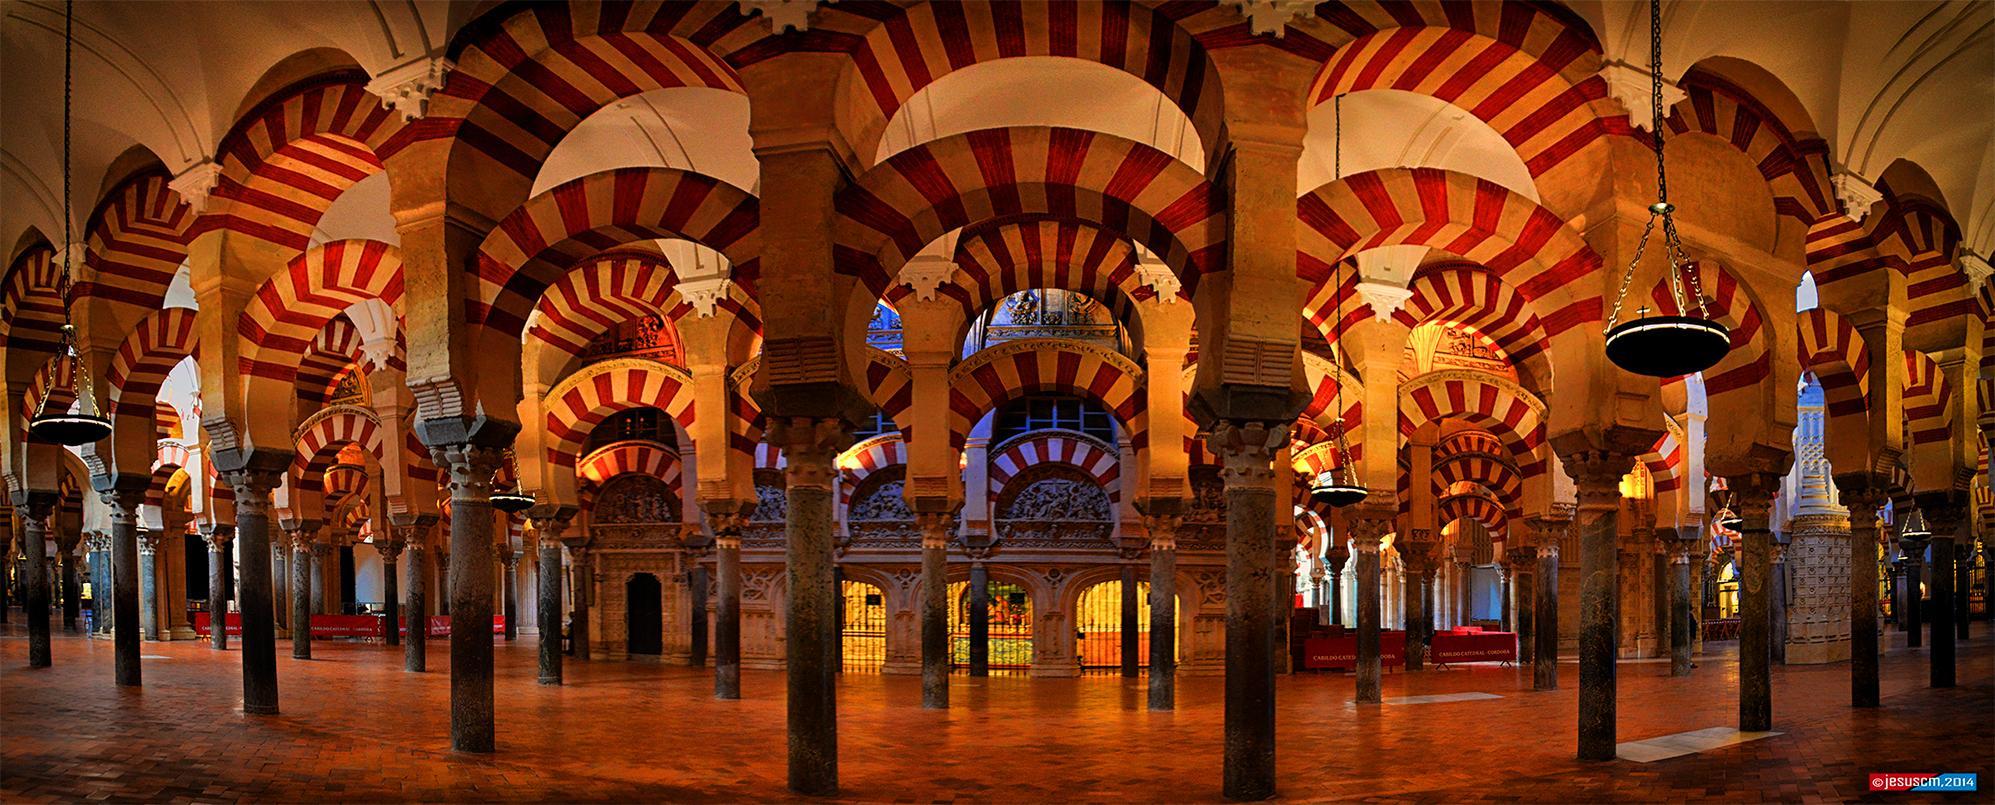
(355, 727)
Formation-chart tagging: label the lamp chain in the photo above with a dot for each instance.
(1677, 256)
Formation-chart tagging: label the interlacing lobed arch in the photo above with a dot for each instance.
(626, 457)
(1097, 460)
(1000, 374)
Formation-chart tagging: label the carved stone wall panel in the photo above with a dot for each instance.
(1818, 572)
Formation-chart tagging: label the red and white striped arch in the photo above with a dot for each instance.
(1000, 374)
(1919, 235)
(526, 79)
(1926, 400)
(920, 194)
(1506, 410)
(170, 453)
(333, 353)
(890, 385)
(865, 458)
(1523, 244)
(996, 261)
(161, 341)
(30, 304)
(55, 383)
(533, 247)
(1664, 461)
(137, 239)
(1470, 441)
(1796, 169)
(1727, 301)
(1831, 349)
(600, 294)
(1494, 472)
(1546, 104)
(1475, 507)
(291, 307)
(286, 161)
(903, 48)
(341, 480)
(1452, 292)
(1098, 460)
(586, 398)
(325, 433)
(629, 456)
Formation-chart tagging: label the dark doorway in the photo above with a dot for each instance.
(646, 614)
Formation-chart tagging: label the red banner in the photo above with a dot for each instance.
(1342, 652)
(233, 623)
(322, 625)
(439, 625)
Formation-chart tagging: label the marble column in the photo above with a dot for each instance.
(1753, 501)
(1545, 602)
(1506, 598)
(980, 612)
(1945, 514)
(1370, 525)
(549, 523)
(470, 467)
(809, 445)
(1247, 449)
(280, 586)
(1963, 561)
(301, 587)
(37, 507)
(1523, 590)
(1682, 557)
(1163, 528)
(1863, 500)
(1779, 589)
(72, 581)
(934, 598)
(415, 650)
(390, 549)
(579, 586)
(697, 587)
(1597, 474)
(1413, 604)
(252, 483)
(1131, 624)
(1910, 615)
(101, 588)
(727, 602)
(218, 538)
(509, 562)
(149, 540)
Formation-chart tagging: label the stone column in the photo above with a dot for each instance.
(1334, 560)
(1779, 589)
(218, 538)
(301, 587)
(100, 579)
(1505, 596)
(1545, 620)
(697, 576)
(509, 562)
(1523, 591)
(1682, 557)
(1247, 449)
(390, 548)
(579, 585)
(1945, 514)
(1963, 560)
(935, 660)
(72, 581)
(1131, 625)
(252, 483)
(443, 576)
(470, 467)
(280, 587)
(325, 574)
(980, 612)
(1597, 473)
(1413, 605)
(548, 523)
(1914, 548)
(148, 583)
(727, 527)
(1863, 500)
(809, 445)
(1369, 525)
(1753, 501)
(1163, 528)
(36, 506)
(415, 652)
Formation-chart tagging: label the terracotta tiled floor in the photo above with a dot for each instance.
(355, 727)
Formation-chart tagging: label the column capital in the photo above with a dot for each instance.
(469, 467)
(1247, 449)
(390, 549)
(809, 444)
(218, 537)
(1163, 530)
(1597, 474)
(148, 540)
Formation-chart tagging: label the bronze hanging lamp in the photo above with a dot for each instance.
(1688, 341)
(512, 501)
(87, 424)
(1334, 487)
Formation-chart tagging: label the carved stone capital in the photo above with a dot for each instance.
(1856, 193)
(469, 469)
(196, 182)
(1630, 85)
(781, 15)
(407, 88)
(1597, 474)
(934, 527)
(218, 537)
(809, 445)
(1247, 450)
(1272, 16)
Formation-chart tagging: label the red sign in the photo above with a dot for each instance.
(322, 625)
(233, 623)
(439, 625)
(1342, 652)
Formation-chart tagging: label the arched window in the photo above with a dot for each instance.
(1059, 411)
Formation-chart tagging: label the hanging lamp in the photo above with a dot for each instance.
(512, 501)
(1666, 345)
(1334, 487)
(87, 424)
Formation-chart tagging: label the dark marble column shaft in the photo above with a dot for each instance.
(1247, 450)
(259, 628)
(1524, 588)
(72, 589)
(1131, 642)
(1753, 503)
(415, 649)
(1963, 561)
(580, 585)
(1597, 475)
(301, 595)
(37, 507)
(218, 540)
(980, 618)
(149, 584)
(809, 445)
(1863, 500)
(509, 580)
(1545, 620)
(549, 524)
(697, 586)
(1681, 643)
(727, 611)
(470, 468)
(935, 660)
(1163, 612)
(1942, 652)
(1366, 543)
